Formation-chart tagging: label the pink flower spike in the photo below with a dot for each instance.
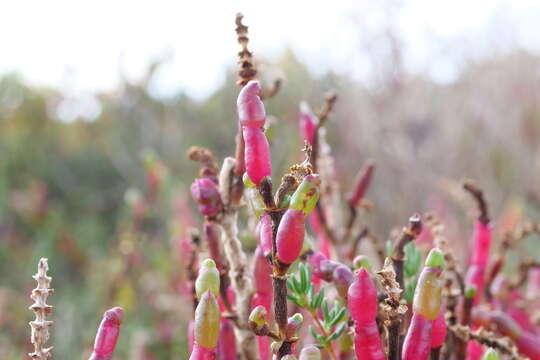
(290, 236)
(308, 122)
(250, 108)
(107, 334)
(257, 154)
(227, 341)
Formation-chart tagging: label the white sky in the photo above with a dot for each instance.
(80, 46)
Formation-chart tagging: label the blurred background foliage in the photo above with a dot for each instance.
(104, 197)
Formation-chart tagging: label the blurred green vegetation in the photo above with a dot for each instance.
(104, 199)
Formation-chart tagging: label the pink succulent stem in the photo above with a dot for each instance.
(417, 343)
(439, 330)
(226, 349)
(362, 304)
(257, 154)
(426, 309)
(191, 335)
(266, 234)
(107, 334)
(307, 122)
(363, 179)
(262, 276)
(202, 353)
(290, 236)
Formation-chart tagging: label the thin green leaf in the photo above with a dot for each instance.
(326, 313)
(337, 317)
(337, 333)
(294, 299)
(320, 298)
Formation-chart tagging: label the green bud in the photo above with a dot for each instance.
(361, 261)
(257, 318)
(208, 278)
(491, 354)
(207, 320)
(247, 181)
(310, 352)
(435, 258)
(470, 292)
(306, 195)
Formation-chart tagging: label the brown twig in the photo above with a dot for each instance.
(40, 325)
(205, 157)
(392, 309)
(408, 234)
(322, 114)
(363, 233)
(478, 195)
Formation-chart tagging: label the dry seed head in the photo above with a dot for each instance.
(40, 325)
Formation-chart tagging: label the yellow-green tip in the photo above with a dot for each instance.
(435, 258)
(491, 354)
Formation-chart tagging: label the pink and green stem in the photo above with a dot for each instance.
(426, 309)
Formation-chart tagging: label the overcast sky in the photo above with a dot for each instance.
(79, 46)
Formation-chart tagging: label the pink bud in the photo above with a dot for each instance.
(290, 236)
(343, 277)
(266, 234)
(362, 298)
(363, 179)
(205, 192)
(262, 273)
(315, 262)
(308, 122)
(107, 334)
(250, 107)
(257, 154)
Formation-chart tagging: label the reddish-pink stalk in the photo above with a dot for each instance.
(227, 341)
(362, 304)
(479, 259)
(324, 241)
(107, 334)
(262, 276)
(202, 353)
(527, 343)
(363, 179)
(438, 334)
(307, 122)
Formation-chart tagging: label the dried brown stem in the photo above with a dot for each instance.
(247, 69)
(363, 233)
(408, 234)
(503, 344)
(40, 325)
(271, 92)
(205, 157)
(478, 196)
(322, 114)
(392, 309)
